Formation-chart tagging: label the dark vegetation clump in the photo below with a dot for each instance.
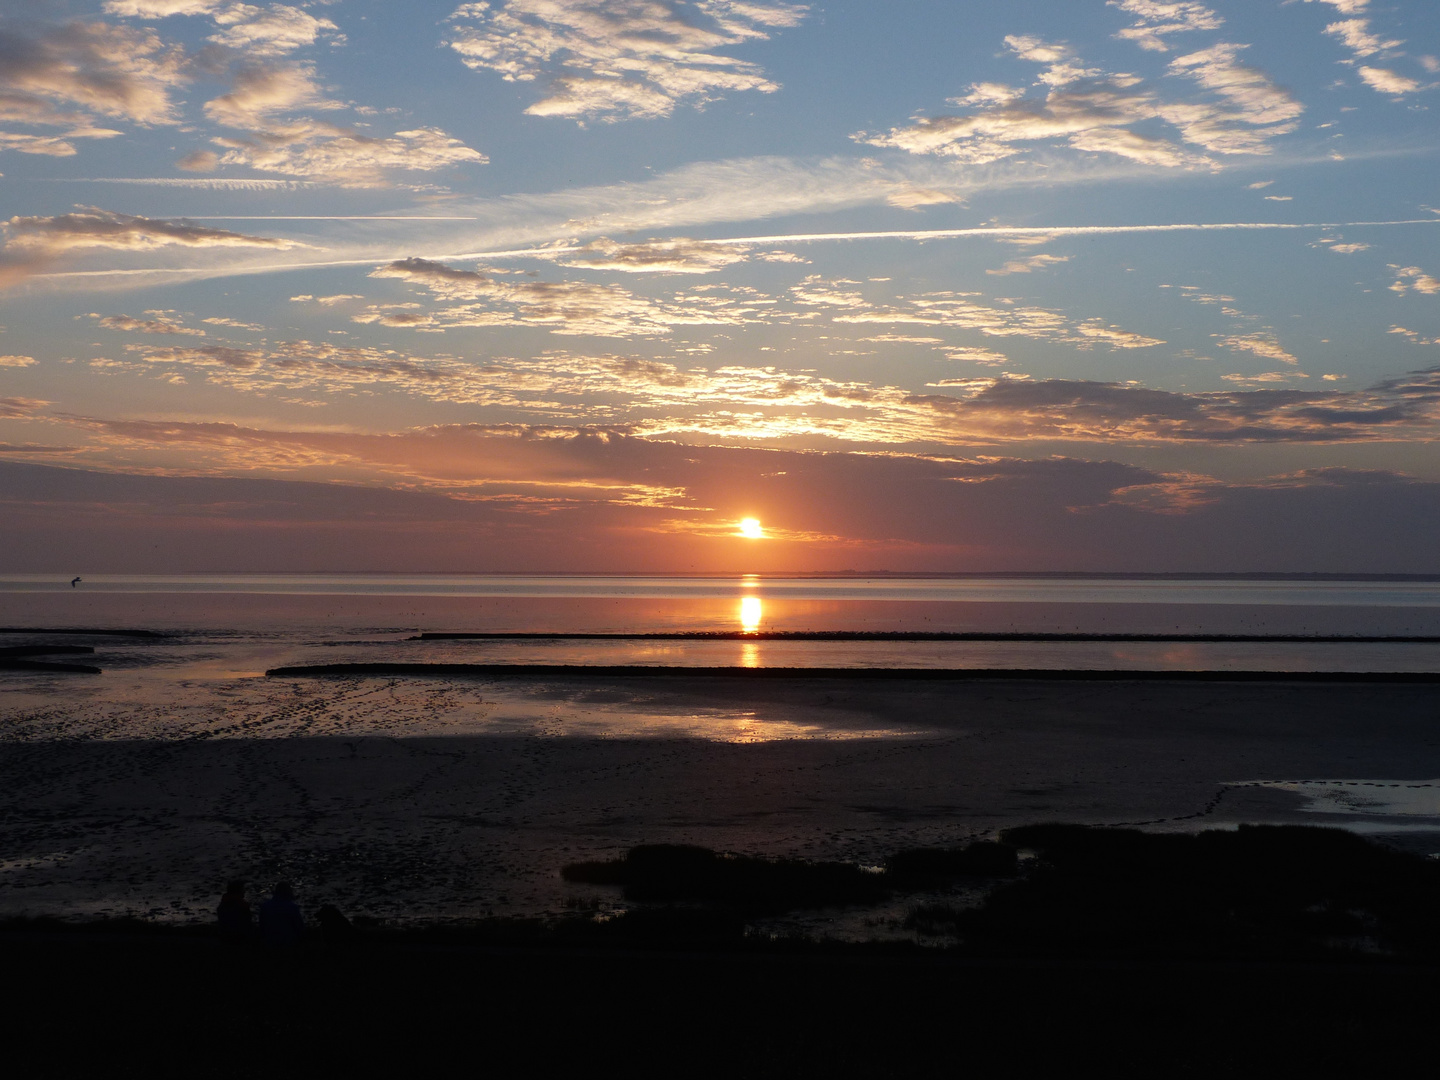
(1258, 892)
(930, 868)
(671, 873)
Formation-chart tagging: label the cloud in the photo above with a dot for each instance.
(33, 242)
(1156, 21)
(677, 256)
(566, 307)
(620, 59)
(973, 355)
(1414, 279)
(1109, 113)
(1259, 110)
(269, 31)
(216, 320)
(115, 71)
(159, 9)
(1029, 265)
(19, 408)
(916, 197)
(328, 301)
(1265, 378)
(735, 404)
(1339, 246)
(601, 498)
(257, 31)
(1388, 82)
(144, 326)
(259, 91)
(17, 361)
(1345, 7)
(1263, 344)
(314, 149)
(64, 76)
(1355, 35)
(959, 311)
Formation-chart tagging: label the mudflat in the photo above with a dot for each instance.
(429, 798)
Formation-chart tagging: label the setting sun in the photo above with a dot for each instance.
(750, 527)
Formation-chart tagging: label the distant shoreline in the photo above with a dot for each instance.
(925, 635)
(793, 575)
(598, 671)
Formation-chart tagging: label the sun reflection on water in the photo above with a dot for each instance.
(751, 611)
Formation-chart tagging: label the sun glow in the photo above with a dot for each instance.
(751, 612)
(750, 528)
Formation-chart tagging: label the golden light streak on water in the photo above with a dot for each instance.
(751, 612)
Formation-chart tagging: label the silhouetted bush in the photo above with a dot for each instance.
(669, 873)
(935, 919)
(924, 868)
(1272, 891)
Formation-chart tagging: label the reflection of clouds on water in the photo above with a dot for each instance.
(1376, 798)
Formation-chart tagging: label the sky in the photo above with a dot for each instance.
(579, 285)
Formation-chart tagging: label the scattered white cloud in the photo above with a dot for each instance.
(1029, 265)
(620, 59)
(1156, 21)
(959, 311)
(66, 76)
(160, 9)
(257, 31)
(268, 31)
(235, 324)
(972, 355)
(32, 242)
(1109, 113)
(903, 339)
(677, 256)
(17, 361)
(315, 149)
(133, 325)
(1414, 279)
(914, 198)
(338, 298)
(1345, 7)
(1389, 82)
(563, 307)
(1265, 378)
(1263, 344)
(1355, 35)
(1340, 246)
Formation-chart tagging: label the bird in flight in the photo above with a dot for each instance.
(74, 582)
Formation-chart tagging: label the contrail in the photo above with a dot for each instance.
(982, 232)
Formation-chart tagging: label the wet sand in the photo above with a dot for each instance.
(141, 792)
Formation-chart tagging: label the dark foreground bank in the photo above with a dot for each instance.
(1281, 951)
(123, 1006)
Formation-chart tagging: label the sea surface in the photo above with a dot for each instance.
(244, 623)
(141, 790)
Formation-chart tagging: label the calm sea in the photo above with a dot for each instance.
(242, 622)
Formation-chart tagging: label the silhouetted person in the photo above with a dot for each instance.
(234, 916)
(335, 928)
(281, 923)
